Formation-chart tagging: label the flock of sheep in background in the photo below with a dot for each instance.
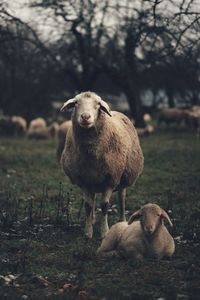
(39, 128)
(100, 152)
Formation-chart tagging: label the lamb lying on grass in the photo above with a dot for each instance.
(144, 235)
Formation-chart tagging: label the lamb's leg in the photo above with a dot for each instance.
(122, 198)
(109, 243)
(90, 215)
(104, 207)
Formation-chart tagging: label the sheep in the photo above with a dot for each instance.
(38, 123)
(12, 126)
(53, 129)
(102, 154)
(172, 116)
(144, 235)
(193, 119)
(148, 129)
(61, 136)
(38, 129)
(20, 124)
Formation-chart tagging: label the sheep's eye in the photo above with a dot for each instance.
(158, 215)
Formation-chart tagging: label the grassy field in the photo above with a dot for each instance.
(43, 253)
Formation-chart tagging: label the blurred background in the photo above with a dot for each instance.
(140, 56)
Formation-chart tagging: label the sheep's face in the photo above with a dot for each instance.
(150, 216)
(87, 107)
(87, 111)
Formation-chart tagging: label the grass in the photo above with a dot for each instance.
(43, 253)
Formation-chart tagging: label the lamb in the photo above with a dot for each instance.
(61, 136)
(144, 235)
(102, 154)
(38, 129)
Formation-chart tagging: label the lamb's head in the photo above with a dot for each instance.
(151, 217)
(87, 107)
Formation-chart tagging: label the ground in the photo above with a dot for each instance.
(43, 253)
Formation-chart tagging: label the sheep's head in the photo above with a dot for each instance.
(151, 217)
(87, 107)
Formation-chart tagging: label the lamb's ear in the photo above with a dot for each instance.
(68, 104)
(104, 107)
(134, 216)
(165, 216)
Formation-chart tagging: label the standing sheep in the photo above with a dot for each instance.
(102, 154)
(147, 237)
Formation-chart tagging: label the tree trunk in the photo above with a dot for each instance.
(134, 101)
(170, 95)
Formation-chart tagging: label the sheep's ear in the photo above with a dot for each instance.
(104, 107)
(134, 216)
(68, 104)
(165, 216)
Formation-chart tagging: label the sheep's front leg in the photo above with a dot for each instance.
(90, 215)
(104, 207)
(122, 198)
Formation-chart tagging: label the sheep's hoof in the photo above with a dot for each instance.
(88, 235)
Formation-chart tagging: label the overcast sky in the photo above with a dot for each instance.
(48, 27)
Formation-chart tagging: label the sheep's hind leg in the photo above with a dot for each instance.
(122, 198)
(104, 208)
(90, 216)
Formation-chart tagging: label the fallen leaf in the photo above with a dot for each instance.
(67, 286)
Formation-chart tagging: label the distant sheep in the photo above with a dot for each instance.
(61, 137)
(102, 154)
(38, 123)
(172, 116)
(38, 129)
(20, 124)
(148, 129)
(53, 129)
(144, 235)
(12, 126)
(194, 121)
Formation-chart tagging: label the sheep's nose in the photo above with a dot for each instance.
(85, 116)
(149, 228)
